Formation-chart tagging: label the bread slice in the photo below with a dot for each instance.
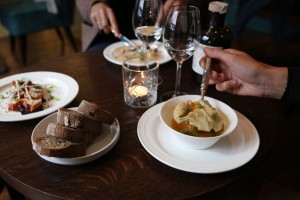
(75, 119)
(56, 147)
(69, 133)
(93, 110)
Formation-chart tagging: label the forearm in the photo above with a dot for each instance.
(275, 82)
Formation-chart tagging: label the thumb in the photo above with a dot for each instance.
(214, 52)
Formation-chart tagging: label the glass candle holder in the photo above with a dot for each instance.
(140, 82)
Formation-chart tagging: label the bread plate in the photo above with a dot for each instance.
(101, 145)
(109, 50)
(65, 90)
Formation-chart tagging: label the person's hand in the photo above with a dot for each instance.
(166, 7)
(103, 18)
(238, 73)
(170, 3)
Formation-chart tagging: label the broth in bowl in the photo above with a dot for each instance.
(187, 129)
(220, 122)
(197, 118)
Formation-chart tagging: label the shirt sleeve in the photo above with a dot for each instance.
(292, 91)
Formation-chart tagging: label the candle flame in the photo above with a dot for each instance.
(138, 90)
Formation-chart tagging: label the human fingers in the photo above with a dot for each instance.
(215, 64)
(169, 3)
(96, 14)
(238, 53)
(215, 77)
(101, 15)
(234, 51)
(226, 55)
(113, 24)
(215, 53)
(95, 19)
(227, 86)
(161, 15)
(109, 22)
(230, 60)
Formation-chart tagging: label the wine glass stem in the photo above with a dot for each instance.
(178, 77)
(147, 51)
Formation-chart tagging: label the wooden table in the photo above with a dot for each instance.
(128, 171)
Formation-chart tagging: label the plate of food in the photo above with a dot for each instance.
(120, 51)
(228, 153)
(73, 136)
(35, 94)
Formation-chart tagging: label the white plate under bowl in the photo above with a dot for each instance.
(66, 89)
(108, 51)
(227, 154)
(101, 145)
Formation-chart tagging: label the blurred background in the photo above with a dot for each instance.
(255, 36)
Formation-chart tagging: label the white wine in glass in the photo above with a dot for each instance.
(148, 34)
(180, 37)
(147, 21)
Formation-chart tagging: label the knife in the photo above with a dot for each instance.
(125, 39)
(121, 37)
(204, 82)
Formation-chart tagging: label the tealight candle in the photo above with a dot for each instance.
(140, 82)
(138, 90)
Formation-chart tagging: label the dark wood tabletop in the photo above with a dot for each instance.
(128, 171)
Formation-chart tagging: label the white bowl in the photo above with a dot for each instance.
(228, 115)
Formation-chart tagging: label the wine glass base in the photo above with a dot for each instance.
(169, 95)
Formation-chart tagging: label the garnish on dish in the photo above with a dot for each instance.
(125, 52)
(198, 118)
(27, 97)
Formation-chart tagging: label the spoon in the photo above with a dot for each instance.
(204, 82)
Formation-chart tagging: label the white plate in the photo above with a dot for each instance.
(101, 145)
(66, 89)
(108, 51)
(227, 154)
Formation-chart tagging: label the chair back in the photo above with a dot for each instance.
(66, 9)
(20, 17)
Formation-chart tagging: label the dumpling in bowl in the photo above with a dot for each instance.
(198, 115)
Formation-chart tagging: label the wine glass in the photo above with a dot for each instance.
(147, 22)
(180, 37)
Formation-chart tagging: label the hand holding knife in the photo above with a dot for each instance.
(120, 36)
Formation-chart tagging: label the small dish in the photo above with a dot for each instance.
(66, 89)
(101, 145)
(227, 114)
(108, 51)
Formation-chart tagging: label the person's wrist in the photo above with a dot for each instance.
(276, 82)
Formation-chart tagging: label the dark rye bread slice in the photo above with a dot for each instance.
(69, 133)
(93, 110)
(75, 119)
(56, 147)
